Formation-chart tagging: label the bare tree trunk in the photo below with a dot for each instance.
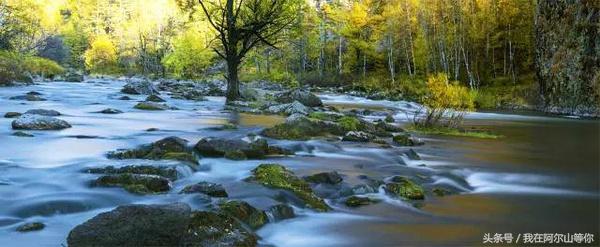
(340, 56)
(391, 58)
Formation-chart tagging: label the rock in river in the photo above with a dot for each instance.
(303, 96)
(43, 112)
(38, 122)
(140, 87)
(135, 183)
(134, 225)
(110, 111)
(169, 148)
(211, 189)
(236, 149)
(12, 115)
(244, 212)
(33, 226)
(151, 106)
(325, 178)
(405, 188)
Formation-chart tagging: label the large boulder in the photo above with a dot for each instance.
(140, 87)
(38, 122)
(404, 188)
(303, 96)
(74, 76)
(358, 136)
(163, 171)
(325, 178)
(151, 106)
(278, 177)
(298, 127)
(134, 225)
(281, 212)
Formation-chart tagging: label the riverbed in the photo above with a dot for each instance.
(542, 176)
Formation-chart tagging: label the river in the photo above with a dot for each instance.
(542, 176)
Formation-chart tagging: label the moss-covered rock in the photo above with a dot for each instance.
(349, 123)
(29, 227)
(356, 201)
(151, 106)
(358, 136)
(135, 183)
(235, 155)
(303, 128)
(325, 116)
(235, 149)
(279, 177)
(244, 212)
(154, 98)
(213, 229)
(325, 178)
(403, 140)
(389, 119)
(167, 172)
(405, 188)
(211, 189)
(170, 148)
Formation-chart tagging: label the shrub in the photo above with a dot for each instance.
(15, 67)
(446, 102)
(43, 67)
(101, 57)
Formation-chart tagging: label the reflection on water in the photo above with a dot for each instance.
(542, 177)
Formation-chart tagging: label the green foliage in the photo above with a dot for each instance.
(350, 123)
(190, 56)
(101, 57)
(17, 67)
(441, 130)
(446, 102)
(42, 67)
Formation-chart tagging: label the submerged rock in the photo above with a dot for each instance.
(440, 191)
(33, 226)
(151, 106)
(405, 188)
(411, 154)
(244, 212)
(38, 122)
(325, 178)
(43, 112)
(27, 97)
(12, 115)
(140, 87)
(110, 111)
(135, 225)
(22, 134)
(303, 96)
(125, 98)
(135, 183)
(403, 140)
(278, 177)
(211, 189)
(170, 148)
(167, 172)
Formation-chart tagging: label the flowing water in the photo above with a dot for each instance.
(541, 177)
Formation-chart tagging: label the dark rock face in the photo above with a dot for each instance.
(134, 225)
(43, 112)
(305, 97)
(325, 178)
(140, 87)
(567, 55)
(37, 122)
(211, 189)
(167, 172)
(33, 226)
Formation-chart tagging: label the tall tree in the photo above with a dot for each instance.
(244, 24)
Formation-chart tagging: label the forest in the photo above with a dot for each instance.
(299, 122)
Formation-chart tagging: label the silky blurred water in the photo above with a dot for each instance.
(541, 177)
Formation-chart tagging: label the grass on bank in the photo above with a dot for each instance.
(447, 131)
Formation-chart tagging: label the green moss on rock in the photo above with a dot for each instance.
(279, 177)
(212, 229)
(135, 183)
(405, 188)
(356, 201)
(349, 123)
(244, 212)
(167, 172)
